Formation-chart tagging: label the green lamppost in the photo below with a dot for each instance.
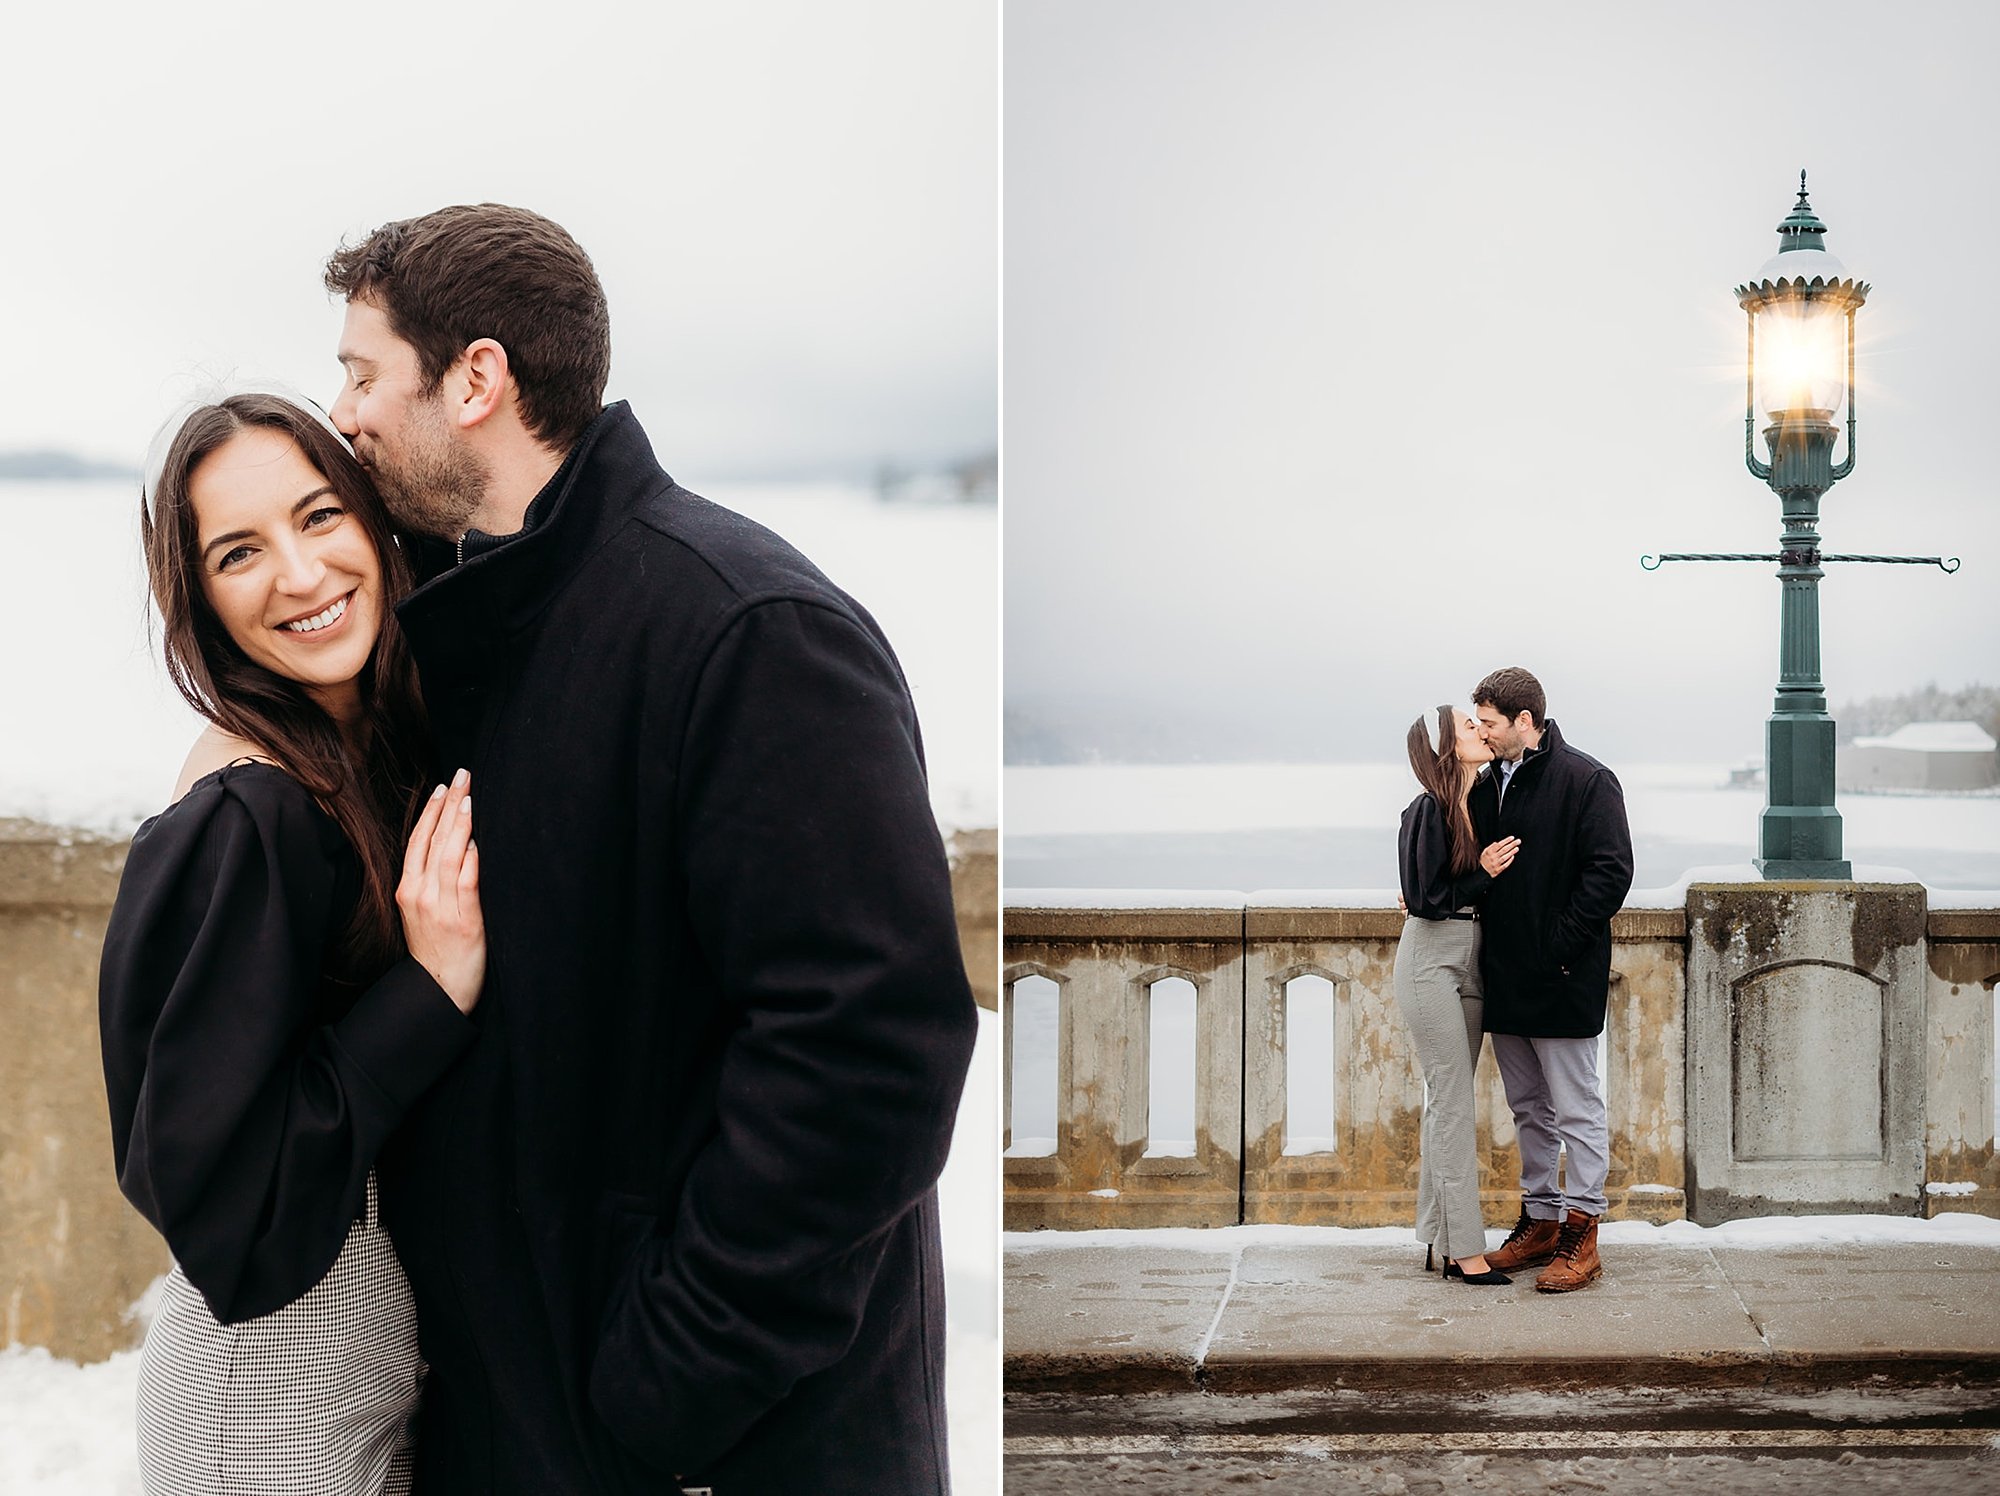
(1800, 373)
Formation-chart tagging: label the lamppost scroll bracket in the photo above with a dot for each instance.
(1651, 562)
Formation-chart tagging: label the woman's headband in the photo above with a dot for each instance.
(1444, 729)
(214, 392)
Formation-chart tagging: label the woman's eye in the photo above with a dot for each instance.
(320, 518)
(230, 558)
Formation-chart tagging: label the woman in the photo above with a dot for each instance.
(267, 1018)
(1444, 874)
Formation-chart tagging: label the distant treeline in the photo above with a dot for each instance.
(59, 467)
(1879, 716)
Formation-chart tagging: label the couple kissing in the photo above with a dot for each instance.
(1512, 862)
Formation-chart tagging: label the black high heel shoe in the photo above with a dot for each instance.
(1429, 1265)
(1491, 1278)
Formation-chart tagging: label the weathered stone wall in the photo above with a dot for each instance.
(1963, 969)
(1242, 960)
(975, 894)
(1104, 963)
(1806, 1048)
(1369, 1176)
(1917, 977)
(73, 1255)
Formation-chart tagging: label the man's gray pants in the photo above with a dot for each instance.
(1553, 1092)
(1437, 989)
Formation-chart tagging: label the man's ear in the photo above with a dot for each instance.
(484, 366)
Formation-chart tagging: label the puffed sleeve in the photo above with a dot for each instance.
(243, 1127)
(1430, 889)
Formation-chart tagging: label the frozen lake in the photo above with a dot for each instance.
(96, 735)
(1333, 826)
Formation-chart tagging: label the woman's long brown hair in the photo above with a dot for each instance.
(1440, 771)
(372, 801)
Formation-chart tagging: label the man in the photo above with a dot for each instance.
(1546, 967)
(671, 1222)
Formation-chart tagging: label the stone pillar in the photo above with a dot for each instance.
(73, 1255)
(975, 893)
(1965, 969)
(1806, 1033)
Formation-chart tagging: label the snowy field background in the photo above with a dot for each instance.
(1333, 826)
(67, 1430)
(96, 735)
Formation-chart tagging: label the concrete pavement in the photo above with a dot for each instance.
(1262, 1310)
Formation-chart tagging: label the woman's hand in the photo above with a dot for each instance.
(439, 895)
(1496, 858)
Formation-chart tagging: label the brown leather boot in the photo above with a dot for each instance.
(1529, 1244)
(1576, 1261)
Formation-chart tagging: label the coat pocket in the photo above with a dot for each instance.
(622, 1225)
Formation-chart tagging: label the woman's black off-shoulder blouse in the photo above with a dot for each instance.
(1423, 855)
(250, 1092)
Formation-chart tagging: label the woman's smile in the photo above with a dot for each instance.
(323, 622)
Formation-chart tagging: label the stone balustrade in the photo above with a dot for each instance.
(1304, 1115)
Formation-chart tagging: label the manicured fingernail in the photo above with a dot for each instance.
(436, 792)
(465, 806)
(461, 779)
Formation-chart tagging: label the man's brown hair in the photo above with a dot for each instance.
(1510, 692)
(452, 277)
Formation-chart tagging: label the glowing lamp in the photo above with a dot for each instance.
(1800, 365)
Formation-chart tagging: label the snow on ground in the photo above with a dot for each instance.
(1764, 1231)
(97, 735)
(68, 1430)
(969, 1202)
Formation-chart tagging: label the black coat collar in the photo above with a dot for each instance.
(467, 608)
(1489, 773)
(1552, 739)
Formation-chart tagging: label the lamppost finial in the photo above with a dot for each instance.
(1802, 228)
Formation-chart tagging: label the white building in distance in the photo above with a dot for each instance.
(1920, 756)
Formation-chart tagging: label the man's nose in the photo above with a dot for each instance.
(342, 412)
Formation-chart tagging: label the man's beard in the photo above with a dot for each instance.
(438, 486)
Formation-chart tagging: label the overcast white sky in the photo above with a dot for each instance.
(792, 205)
(1354, 350)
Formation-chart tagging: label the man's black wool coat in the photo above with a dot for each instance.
(1545, 959)
(674, 1213)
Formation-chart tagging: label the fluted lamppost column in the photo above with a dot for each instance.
(1800, 375)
